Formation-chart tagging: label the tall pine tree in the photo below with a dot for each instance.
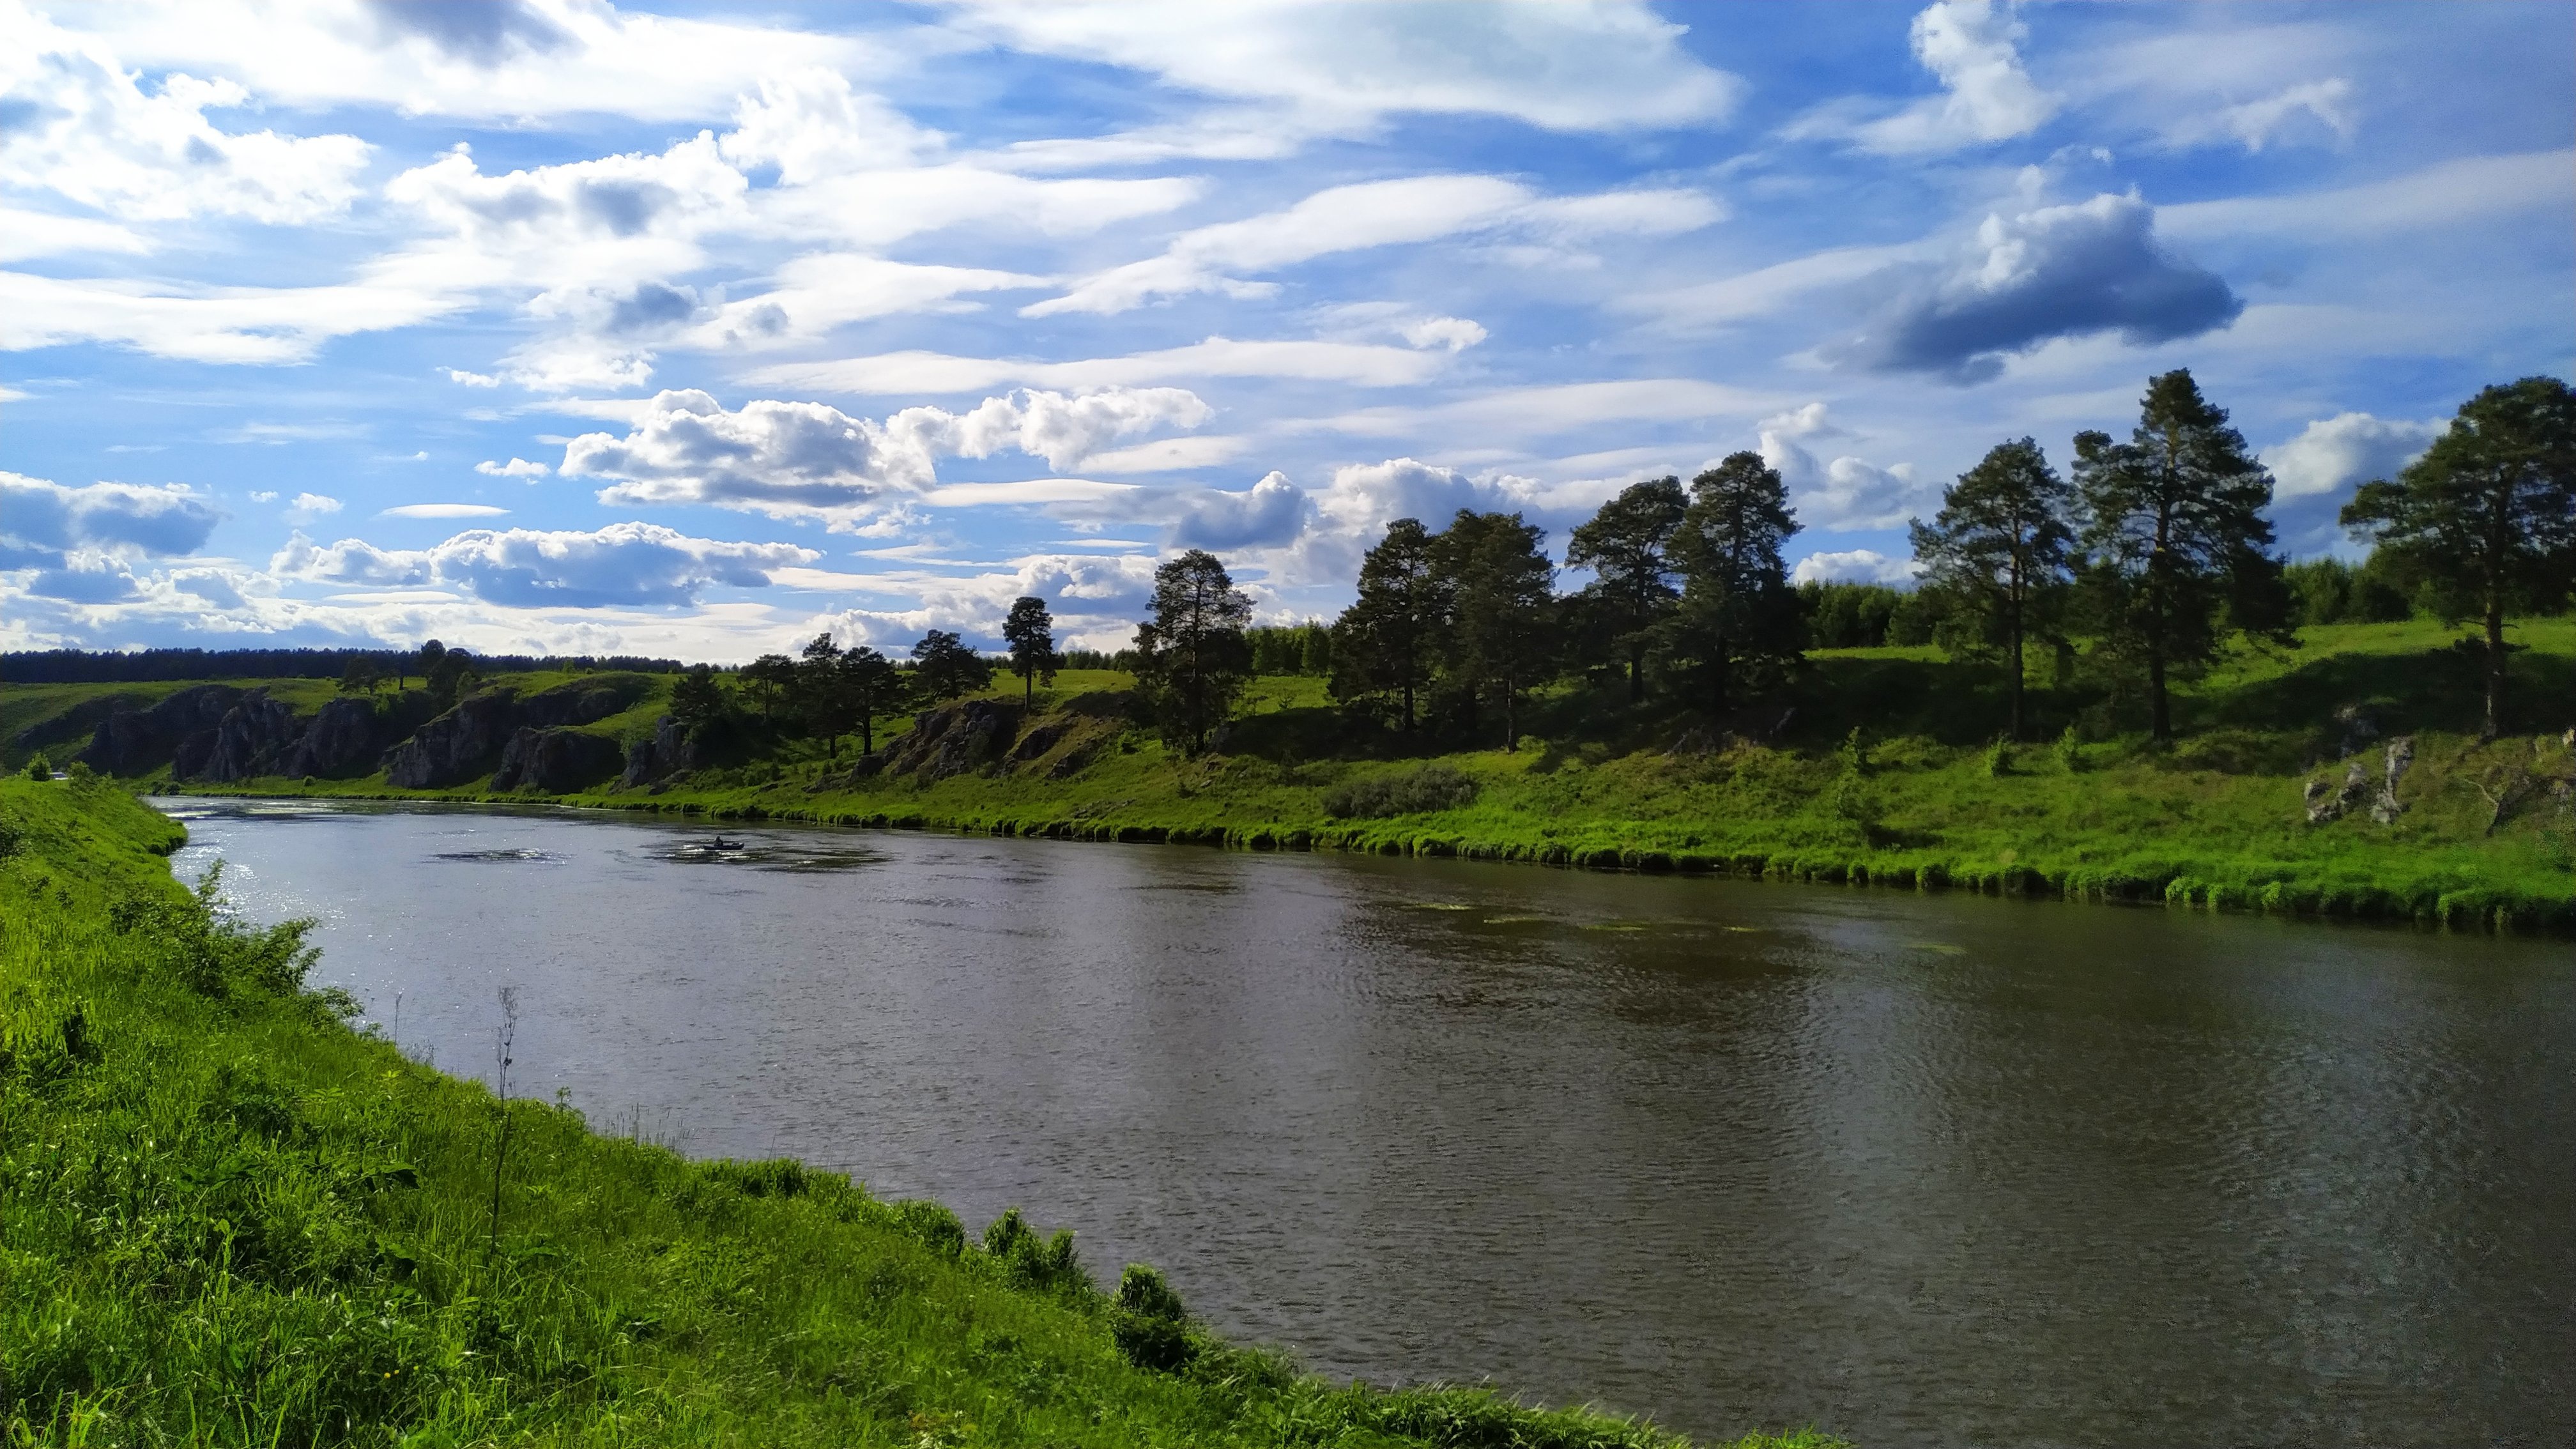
(1625, 545)
(1502, 608)
(2487, 517)
(1387, 642)
(1999, 546)
(1738, 619)
(2177, 548)
(1192, 657)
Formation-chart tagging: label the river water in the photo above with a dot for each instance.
(1915, 1169)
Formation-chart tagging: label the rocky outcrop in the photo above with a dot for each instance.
(667, 751)
(343, 739)
(556, 760)
(2323, 802)
(470, 739)
(953, 739)
(137, 742)
(250, 740)
(457, 746)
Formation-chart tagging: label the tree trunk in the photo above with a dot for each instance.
(1636, 665)
(867, 735)
(1511, 717)
(2159, 718)
(2495, 667)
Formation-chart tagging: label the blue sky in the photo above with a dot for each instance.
(692, 331)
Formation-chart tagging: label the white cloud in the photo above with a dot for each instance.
(41, 520)
(2444, 196)
(2331, 455)
(1854, 566)
(1270, 514)
(2256, 123)
(1762, 292)
(621, 564)
(263, 495)
(29, 234)
(501, 60)
(1847, 493)
(463, 378)
(1605, 65)
(515, 468)
(803, 459)
(309, 506)
(1371, 214)
(84, 129)
(443, 510)
(204, 323)
(1527, 412)
(915, 373)
(1973, 47)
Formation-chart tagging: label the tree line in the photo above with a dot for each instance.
(2153, 550)
(142, 666)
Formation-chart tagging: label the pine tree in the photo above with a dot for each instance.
(1192, 657)
(2487, 517)
(1625, 545)
(1738, 618)
(1030, 633)
(1386, 642)
(2000, 546)
(1502, 609)
(2177, 547)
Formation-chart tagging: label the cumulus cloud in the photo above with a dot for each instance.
(1096, 600)
(1854, 566)
(803, 459)
(1973, 47)
(40, 520)
(463, 378)
(80, 125)
(621, 564)
(2331, 455)
(515, 468)
(1371, 214)
(305, 507)
(1270, 514)
(2055, 271)
(1846, 493)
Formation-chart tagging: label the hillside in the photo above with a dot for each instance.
(1878, 765)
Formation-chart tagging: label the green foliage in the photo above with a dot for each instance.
(2176, 543)
(1029, 630)
(38, 767)
(1148, 1323)
(1852, 616)
(1192, 660)
(1027, 1261)
(1627, 547)
(1737, 624)
(2070, 750)
(1417, 791)
(1387, 643)
(2330, 591)
(945, 667)
(2000, 548)
(1501, 636)
(1284, 649)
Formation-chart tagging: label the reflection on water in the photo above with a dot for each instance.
(1917, 1169)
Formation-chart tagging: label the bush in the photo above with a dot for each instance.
(39, 768)
(1148, 1322)
(2070, 751)
(1028, 1261)
(1401, 792)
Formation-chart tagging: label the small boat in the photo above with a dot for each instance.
(720, 843)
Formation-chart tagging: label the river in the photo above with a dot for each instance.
(1917, 1169)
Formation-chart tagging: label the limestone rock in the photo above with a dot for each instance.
(249, 741)
(2400, 756)
(666, 752)
(456, 746)
(136, 742)
(341, 740)
(556, 760)
(954, 739)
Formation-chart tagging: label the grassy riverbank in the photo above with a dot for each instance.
(1920, 797)
(226, 1217)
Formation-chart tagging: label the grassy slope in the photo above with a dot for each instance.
(225, 1217)
(2215, 821)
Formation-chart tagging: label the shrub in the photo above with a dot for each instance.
(1999, 758)
(2070, 751)
(1148, 1322)
(1028, 1261)
(39, 768)
(1417, 791)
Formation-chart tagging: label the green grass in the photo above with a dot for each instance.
(2213, 821)
(227, 1218)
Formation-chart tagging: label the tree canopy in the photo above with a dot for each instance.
(1191, 656)
(2000, 545)
(1029, 630)
(1631, 592)
(1738, 620)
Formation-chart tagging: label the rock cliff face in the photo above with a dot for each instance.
(249, 741)
(343, 738)
(470, 739)
(556, 760)
(666, 752)
(136, 742)
(952, 740)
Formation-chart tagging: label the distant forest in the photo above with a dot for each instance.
(105, 666)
